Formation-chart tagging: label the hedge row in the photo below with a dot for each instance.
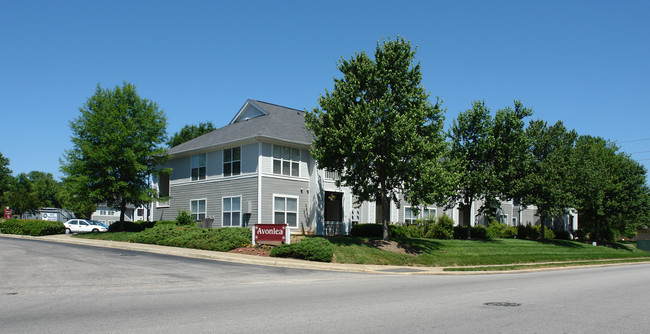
(218, 239)
(312, 249)
(443, 229)
(31, 227)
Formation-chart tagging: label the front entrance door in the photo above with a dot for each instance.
(333, 206)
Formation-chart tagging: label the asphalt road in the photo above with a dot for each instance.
(60, 288)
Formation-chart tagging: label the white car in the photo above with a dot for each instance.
(82, 226)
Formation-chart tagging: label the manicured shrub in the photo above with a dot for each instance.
(31, 227)
(222, 239)
(184, 218)
(509, 232)
(398, 232)
(377, 231)
(367, 230)
(499, 230)
(165, 222)
(442, 229)
(534, 232)
(562, 235)
(478, 232)
(131, 226)
(312, 249)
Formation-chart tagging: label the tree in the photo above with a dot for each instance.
(379, 131)
(488, 156)
(189, 132)
(6, 180)
(611, 193)
(471, 157)
(46, 189)
(547, 183)
(117, 145)
(21, 198)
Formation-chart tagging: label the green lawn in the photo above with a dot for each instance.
(452, 253)
(444, 253)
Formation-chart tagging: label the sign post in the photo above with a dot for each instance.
(271, 233)
(8, 214)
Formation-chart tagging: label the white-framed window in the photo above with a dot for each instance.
(285, 210)
(163, 189)
(503, 219)
(199, 164)
(286, 160)
(197, 206)
(231, 211)
(232, 161)
(410, 216)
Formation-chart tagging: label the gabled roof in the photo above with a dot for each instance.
(256, 120)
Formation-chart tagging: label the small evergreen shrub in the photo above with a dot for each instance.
(184, 218)
(442, 229)
(312, 249)
(398, 231)
(534, 232)
(478, 232)
(562, 235)
(165, 222)
(367, 230)
(131, 226)
(31, 227)
(499, 230)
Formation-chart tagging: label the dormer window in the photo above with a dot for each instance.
(199, 167)
(232, 161)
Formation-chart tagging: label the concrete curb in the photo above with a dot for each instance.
(283, 262)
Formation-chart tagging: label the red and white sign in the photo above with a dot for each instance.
(270, 233)
(8, 213)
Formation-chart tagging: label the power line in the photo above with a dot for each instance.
(632, 141)
(640, 152)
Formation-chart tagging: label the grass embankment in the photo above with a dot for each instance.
(499, 254)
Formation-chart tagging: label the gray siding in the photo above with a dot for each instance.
(289, 187)
(212, 191)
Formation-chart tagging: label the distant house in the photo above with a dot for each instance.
(108, 215)
(258, 169)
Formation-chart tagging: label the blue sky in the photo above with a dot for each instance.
(586, 63)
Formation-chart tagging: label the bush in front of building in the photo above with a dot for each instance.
(221, 239)
(312, 249)
(534, 232)
(131, 226)
(496, 230)
(31, 227)
(377, 231)
(184, 218)
(443, 228)
(478, 232)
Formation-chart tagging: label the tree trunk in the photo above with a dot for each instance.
(385, 213)
(122, 214)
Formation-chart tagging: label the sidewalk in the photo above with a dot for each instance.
(236, 258)
(281, 262)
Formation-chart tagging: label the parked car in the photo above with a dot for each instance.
(98, 223)
(82, 226)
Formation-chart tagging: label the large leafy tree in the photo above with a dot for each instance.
(21, 197)
(379, 130)
(471, 156)
(547, 183)
(189, 132)
(6, 180)
(612, 196)
(488, 156)
(45, 188)
(117, 145)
